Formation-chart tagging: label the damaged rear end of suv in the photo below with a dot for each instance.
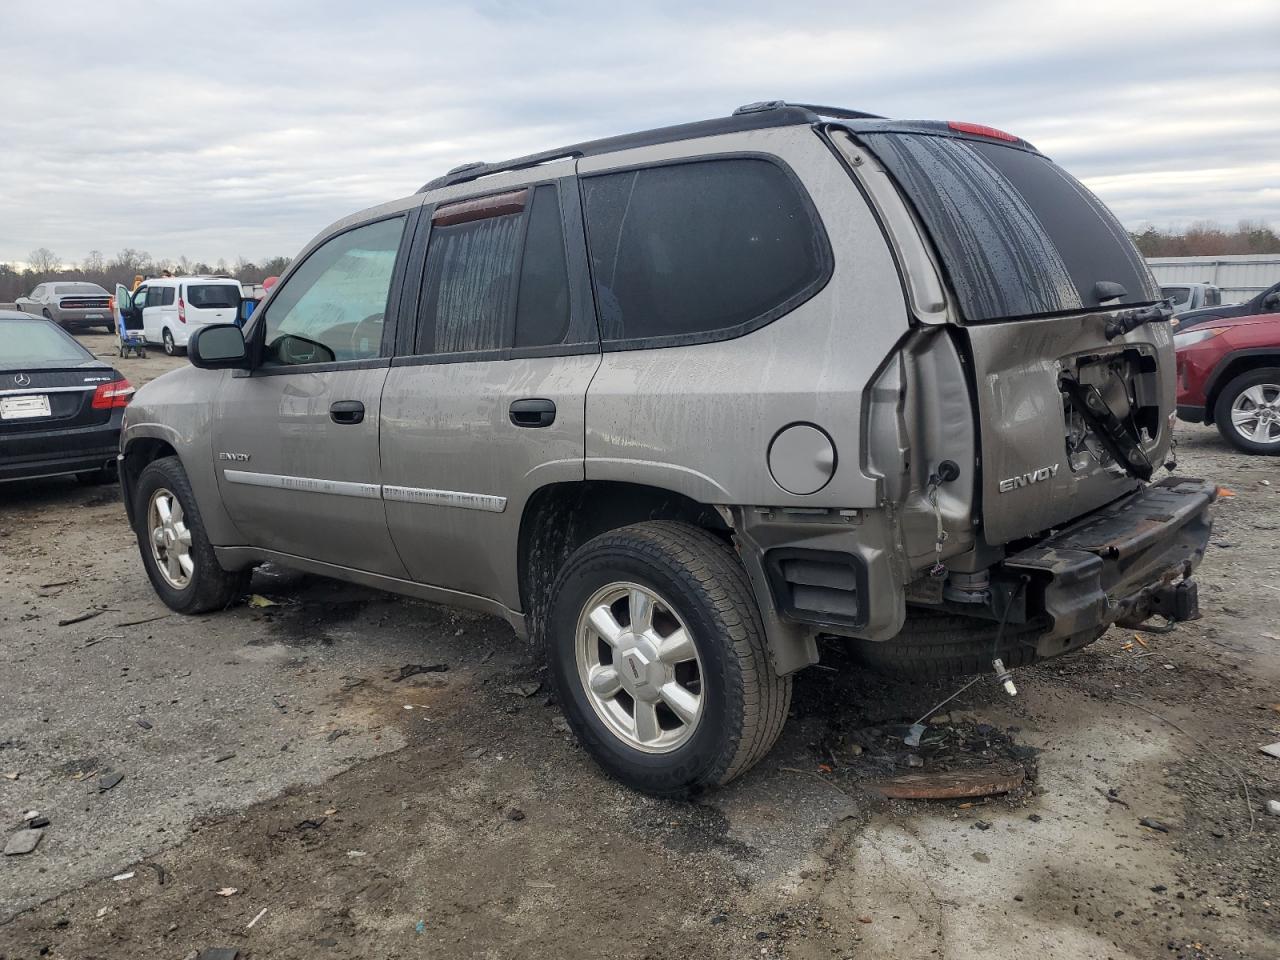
(1018, 429)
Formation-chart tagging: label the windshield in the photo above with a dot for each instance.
(212, 295)
(1017, 235)
(38, 343)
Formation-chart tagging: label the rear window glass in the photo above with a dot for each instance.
(208, 296)
(701, 250)
(79, 290)
(1017, 234)
(467, 285)
(38, 343)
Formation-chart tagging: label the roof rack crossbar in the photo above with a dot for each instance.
(474, 171)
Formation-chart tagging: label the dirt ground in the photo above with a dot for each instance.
(271, 760)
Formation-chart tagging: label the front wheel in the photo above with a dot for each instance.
(659, 660)
(1247, 411)
(176, 552)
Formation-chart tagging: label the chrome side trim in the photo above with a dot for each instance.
(342, 488)
(445, 498)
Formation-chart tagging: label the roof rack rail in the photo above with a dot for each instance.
(836, 113)
(753, 116)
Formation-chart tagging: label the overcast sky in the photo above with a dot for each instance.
(219, 129)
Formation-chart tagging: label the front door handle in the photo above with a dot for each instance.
(533, 412)
(346, 411)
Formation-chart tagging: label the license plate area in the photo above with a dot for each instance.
(25, 408)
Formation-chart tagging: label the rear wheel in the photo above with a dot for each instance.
(169, 346)
(1247, 411)
(659, 660)
(175, 548)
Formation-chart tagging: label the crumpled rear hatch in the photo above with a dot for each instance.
(1038, 268)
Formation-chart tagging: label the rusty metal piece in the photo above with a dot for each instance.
(950, 785)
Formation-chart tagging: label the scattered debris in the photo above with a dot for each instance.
(1112, 795)
(34, 820)
(864, 919)
(311, 823)
(137, 623)
(1271, 748)
(560, 725)
(110, 636)
(218, 953)
(81, 618)
(23, 842)
(982, 824)
(256, 918)
(915, 760)
(1034, 817)
(420, 926)
(144, 724)
(1151, 824)
(356, 854)
(949, 785)
(12, 775)
(259, 601)
(475, 753)
(515, 814)
(102, 912)
(335, 734)
(56, 583)
(1273, 807)
(1159, 888)
(227, 891)
(413, 669)
(124, 876)
(222, 757)
(526, 689)
(109, 780)
(159, 872)
(330, 811)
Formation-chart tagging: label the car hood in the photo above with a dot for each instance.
(1270, 318)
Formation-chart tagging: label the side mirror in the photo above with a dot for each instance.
(219, 346)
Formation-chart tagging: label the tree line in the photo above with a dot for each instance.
(1208, 239)
(43, 265)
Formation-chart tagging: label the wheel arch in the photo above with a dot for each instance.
(138, 453)
(558, 518)
(1240, 362)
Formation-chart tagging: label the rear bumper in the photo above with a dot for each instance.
(1123, 563)
(83, 318)
(53, 452)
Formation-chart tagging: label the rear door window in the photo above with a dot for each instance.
(211, 296)
(1017, 235)
(166, 297)
(699, 251)
(542, 306)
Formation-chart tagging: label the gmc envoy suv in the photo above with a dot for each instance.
(677, 404)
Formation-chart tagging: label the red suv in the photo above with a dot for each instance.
(1229, 375)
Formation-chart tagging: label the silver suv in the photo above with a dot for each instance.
(677, 404)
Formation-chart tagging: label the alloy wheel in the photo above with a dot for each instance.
(639, 667)
(1255, 413)
(170, 539)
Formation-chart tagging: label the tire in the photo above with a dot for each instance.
(936, 646)
(169, 348)
(206, 586)
(108, 328)
(698, 583)
(95, 478)
(1242, 396)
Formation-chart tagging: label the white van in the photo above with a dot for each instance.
(169, 308)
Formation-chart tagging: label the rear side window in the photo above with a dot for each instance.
(700, 251)
(166, 296)
(210, 296)
(542, 308)
(1017, 234)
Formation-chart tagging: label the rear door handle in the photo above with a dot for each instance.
(533, 412)
(346, 411)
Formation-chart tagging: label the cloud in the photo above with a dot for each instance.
(217, 130)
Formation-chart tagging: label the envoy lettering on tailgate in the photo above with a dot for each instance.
(1026, 479)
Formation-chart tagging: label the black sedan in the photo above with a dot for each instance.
(60, 406)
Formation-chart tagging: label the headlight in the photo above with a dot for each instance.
(1183, 340)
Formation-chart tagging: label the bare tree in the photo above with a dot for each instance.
(95, 262)
(43, 260)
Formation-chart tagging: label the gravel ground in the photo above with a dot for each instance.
(271, 751)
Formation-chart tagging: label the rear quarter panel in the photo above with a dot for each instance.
(699, 419)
